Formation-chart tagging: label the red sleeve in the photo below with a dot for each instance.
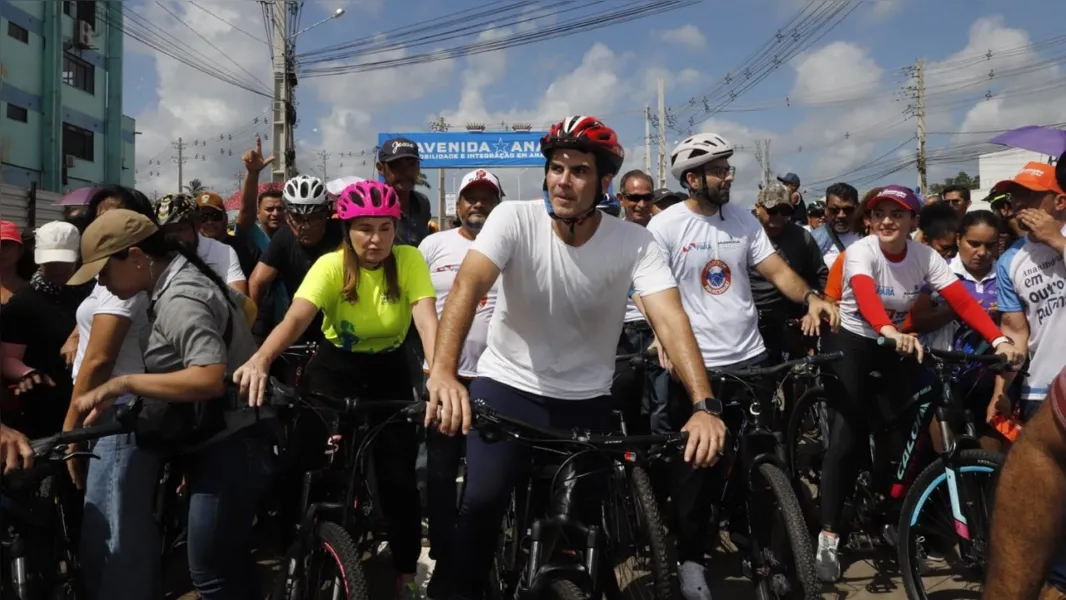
(869, 302)
(971, 313)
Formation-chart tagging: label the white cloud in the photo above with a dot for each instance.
(686, 35)
(745, 188)
(845, 68)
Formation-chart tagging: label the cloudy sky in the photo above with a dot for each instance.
(838, 110)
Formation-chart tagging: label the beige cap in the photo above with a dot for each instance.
(110, 233)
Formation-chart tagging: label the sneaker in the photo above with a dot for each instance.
(693, 578)
(411, 592)
(827, 560)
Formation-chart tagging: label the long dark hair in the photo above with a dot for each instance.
(158, 245)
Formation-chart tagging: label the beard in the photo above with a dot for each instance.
(475, 221)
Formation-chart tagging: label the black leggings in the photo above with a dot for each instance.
(382, 376)
(850, 386)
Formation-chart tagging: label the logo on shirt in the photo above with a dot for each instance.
(482, 303)
(446, 268)
(716, 277)
(695, 246)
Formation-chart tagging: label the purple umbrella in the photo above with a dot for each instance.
(1045, 140)
(79, 197)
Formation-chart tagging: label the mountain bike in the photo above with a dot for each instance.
(339, 519)
(39, 560)
(898, 511)
(551, 544)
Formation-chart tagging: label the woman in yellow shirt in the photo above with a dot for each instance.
(368, 291)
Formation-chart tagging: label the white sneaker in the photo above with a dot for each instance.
(827, 560)
(693, 578)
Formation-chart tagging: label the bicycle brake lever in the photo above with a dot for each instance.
(79, 454)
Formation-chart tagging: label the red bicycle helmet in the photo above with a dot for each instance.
(585, 134)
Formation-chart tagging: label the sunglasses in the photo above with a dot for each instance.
(636, 198)
(780, 211)
(212, 215)
(840, 210)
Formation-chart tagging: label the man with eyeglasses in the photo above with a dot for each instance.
(841, 211)
(794, 244)
(711, 247)
(213, 222)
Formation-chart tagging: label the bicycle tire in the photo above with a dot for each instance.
(663, 553)
(340, 546)
(808, 501)
(929, 479)
(799, 538)
(564, 589)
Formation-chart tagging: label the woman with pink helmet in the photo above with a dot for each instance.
(368, 291)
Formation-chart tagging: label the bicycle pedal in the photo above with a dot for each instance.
(861, 542)
(780, 586)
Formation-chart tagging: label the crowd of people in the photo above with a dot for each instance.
(524, 305)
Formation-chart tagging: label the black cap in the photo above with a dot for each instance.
(397, 148)
(665, 197)
(790, 178)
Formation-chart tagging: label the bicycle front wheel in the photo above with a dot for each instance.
(643, 557)
(331, 568)
(564, 589)
(944, 526)
(783, 555)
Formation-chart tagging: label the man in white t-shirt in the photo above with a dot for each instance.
(564, 270)
(710, 248)
(479, 193)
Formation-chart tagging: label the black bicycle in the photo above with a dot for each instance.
(765, 517)
(39, 560)
(338, 519)
(939, 518)
(552, 545)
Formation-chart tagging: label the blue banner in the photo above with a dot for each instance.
(472, 149)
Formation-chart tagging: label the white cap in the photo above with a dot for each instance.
(57, 241)
(481, 176)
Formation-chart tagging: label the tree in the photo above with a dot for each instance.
(195, 187)
(422, 181)
(963, 179)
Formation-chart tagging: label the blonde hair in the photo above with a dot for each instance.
(351, 274)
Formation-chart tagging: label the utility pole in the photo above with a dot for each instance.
(180, 159)
(239, 178)
(283, 83)
(647, 140)
(920, 113)
(440, 125)
(374, 164)
(662, 133)
(325, 157)
(768, 175)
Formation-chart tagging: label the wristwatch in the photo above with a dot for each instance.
(708, 405)
(807, 295)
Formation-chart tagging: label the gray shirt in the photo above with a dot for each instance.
(188, 316)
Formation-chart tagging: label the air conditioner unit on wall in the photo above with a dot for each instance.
(68, 161)
(84, 35)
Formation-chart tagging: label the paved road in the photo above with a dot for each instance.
(868, 577)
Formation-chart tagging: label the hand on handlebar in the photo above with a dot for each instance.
(15, 450)
(706, 439)
(252, 378)
(906, 344)
(449, 402)
(1010, 352)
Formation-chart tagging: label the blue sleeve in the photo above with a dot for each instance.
(1006, 295)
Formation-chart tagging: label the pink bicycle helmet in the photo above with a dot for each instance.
(368, 199)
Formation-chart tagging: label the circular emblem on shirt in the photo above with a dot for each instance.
(716, 277)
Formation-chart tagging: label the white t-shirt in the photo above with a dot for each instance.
(898, 283)
(221, 258)
(1032, 280)
(444, 252)
(833, 252)
(710, 258)
(218, 256)
(130, 359)
(559, 311)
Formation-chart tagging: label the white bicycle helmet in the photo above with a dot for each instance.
(305, 194)
(696, 151)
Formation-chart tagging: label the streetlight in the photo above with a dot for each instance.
(520, 182)
(339, 13)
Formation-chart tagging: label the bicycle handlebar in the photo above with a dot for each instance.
(279, 394)
(125, 421)
(753, 372)
(486, 416)
(953, 356)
